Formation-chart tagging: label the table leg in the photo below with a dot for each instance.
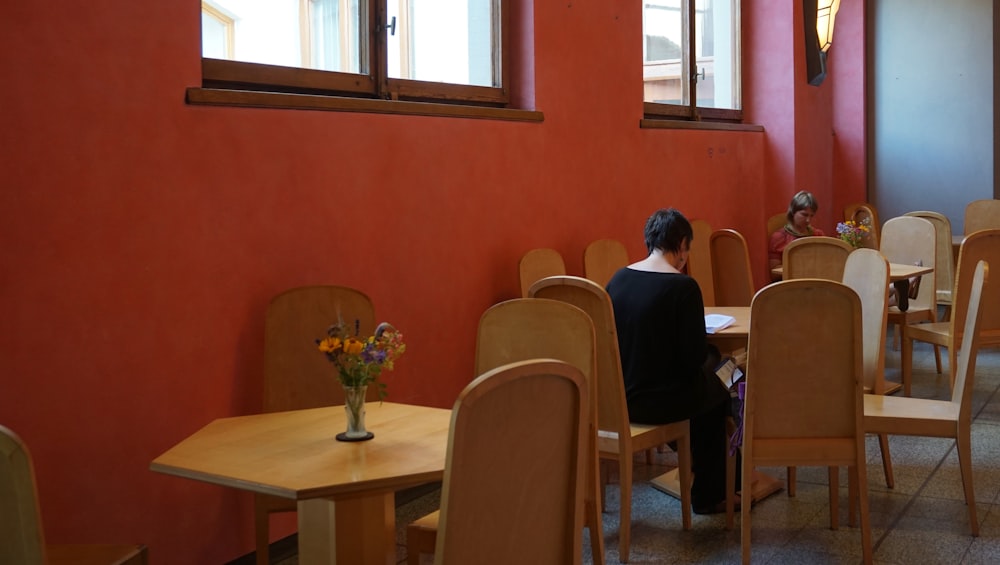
(352, 531)
(902, 294)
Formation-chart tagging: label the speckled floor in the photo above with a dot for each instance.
(922, 520)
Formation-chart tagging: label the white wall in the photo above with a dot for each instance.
(931, 106)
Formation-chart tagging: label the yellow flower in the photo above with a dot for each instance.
(330, 344)
(353, 346)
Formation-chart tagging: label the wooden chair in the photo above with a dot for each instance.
(618, 439)
(910, 240)
(944, 269)
(866, 272)
(512, 493)
(731, 268)
(296, 374)
(940, 418)
(699, 264)
(861, 212)
(518, 330)
(22, 539)
(804, 389)
(774, 223)
(982, 215)
(601, 259)
(982, 245)
(815, 257)
(538, 264)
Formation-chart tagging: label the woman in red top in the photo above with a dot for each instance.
(801, 210)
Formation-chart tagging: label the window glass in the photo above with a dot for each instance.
(677, 32)
(417, 49)
(663, 52)
(441, 41)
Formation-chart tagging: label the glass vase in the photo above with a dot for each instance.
(354, 407)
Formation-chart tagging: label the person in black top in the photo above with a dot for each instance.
(667, 362)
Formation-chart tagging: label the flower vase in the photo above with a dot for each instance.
(354, 406)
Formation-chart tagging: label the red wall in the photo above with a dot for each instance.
(142, 237)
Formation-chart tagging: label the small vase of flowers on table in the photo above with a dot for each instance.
(854, 232)
(359, 362)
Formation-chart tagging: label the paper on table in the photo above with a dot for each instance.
(716, 322)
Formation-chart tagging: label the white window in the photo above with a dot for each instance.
(439, 50)
(691, 58)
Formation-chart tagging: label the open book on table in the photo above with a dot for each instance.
(717, 322)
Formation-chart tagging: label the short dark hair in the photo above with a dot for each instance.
(666, 230)
(802, 200)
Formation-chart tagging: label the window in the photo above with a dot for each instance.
(691, 59)
(451, 51)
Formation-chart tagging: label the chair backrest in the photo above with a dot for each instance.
(602, 258)
(944, 269)
(862, 212)
(22, 540)
(815, 257)
(867, 273)
(804, 385)
(296, 374)
(731, 268)
(612, 412)
(965, 371)
(983, 245)
(538, 264)
(699, 264)
(513, 492)
(531, 328)
(910, 240)
(982, 215)
(775, 223)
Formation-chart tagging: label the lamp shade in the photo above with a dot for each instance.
(826, 13)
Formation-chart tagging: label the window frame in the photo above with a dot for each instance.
(691, 111)
(222, 74)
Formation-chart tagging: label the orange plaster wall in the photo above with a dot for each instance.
(142, 237)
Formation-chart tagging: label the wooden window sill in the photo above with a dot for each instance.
(257, 99)
(687, 124)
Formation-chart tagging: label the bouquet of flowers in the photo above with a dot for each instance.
(853, 232)
(360, 360)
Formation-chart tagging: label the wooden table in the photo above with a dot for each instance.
(763, 485)
(342, 488)
(899, 275)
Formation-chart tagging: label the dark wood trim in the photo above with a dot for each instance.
(685, 124)
(256, 99)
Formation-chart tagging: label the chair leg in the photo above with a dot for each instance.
(745, 506)
(852, 497)
(906, 361)
(625, 506)
(883, 443)
(731, 485)
(937, 358)
(262, 531)
(834, 478)
(861, 477)
(592, 509)
(790, 486)
(684, 470)
(964, 445)
(952, 362)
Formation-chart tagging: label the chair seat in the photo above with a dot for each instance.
(643, 436)
(421, 537)
(96, 554)
(910, 416)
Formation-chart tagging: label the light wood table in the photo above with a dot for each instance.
(899, 275)
(342, 488)
(763, 485)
